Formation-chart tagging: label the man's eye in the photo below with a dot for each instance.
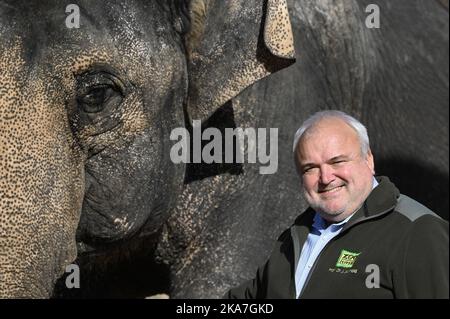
(308, 170)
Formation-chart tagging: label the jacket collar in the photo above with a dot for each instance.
(382, 200)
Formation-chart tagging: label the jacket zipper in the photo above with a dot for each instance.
(313, 267)
(326, 246)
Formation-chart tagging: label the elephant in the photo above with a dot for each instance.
(226, 220)
(89, 94)
(393, 78)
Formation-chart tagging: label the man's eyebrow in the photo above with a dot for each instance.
(338, 158)
(307, 164)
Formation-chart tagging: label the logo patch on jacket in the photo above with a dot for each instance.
(346, 259)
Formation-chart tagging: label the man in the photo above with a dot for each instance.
(360, 238)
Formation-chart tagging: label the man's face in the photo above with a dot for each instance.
(336, 177)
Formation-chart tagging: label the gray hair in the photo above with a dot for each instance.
(351, 121)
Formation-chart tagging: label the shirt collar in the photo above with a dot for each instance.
(374, 183)
(320, 224)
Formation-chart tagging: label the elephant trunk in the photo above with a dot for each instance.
(41, 183)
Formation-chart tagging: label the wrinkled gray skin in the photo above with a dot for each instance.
(395, 79)
(86, 115)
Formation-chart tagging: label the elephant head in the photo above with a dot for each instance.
(86, 113)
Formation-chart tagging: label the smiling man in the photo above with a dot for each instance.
(360, 238)
(336, 164)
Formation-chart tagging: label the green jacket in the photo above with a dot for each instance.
(391, 235)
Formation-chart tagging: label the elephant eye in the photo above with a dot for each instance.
(97, 92)
(96, 98)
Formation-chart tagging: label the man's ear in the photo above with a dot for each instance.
(370, 161)
(232, 44)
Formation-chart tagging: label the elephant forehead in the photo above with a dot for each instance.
(135, 33)
(29, 120)
(22, 102)
(11, 63)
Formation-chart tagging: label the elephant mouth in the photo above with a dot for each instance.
(102, 220)
(109, 219)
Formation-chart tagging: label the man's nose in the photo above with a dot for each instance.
(326, 174)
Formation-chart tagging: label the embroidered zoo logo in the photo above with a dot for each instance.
(346, 259)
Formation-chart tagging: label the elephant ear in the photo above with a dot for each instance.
(231, 45)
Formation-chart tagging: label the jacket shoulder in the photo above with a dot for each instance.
(412, 209)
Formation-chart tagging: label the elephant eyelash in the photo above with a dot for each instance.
(99, 81)
(98, 75)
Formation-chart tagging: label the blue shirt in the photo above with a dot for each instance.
(317, 239)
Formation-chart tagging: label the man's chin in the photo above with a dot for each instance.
(331, 214)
